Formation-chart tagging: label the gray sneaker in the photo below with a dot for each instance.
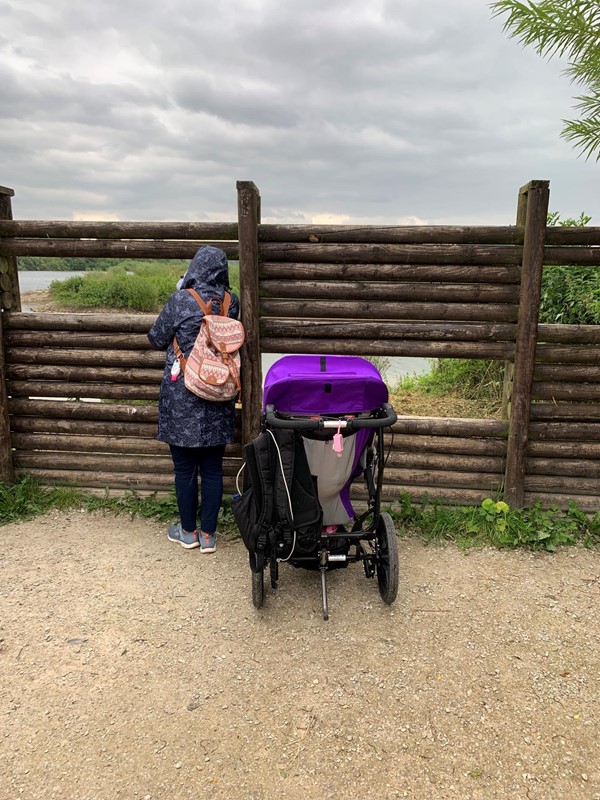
(185, 539)
(208, 542)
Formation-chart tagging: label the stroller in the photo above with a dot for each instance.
(322, 428)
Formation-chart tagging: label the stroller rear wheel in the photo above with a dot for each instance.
(258, 588)
(387, 559)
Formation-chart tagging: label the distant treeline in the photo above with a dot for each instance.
(78, 264)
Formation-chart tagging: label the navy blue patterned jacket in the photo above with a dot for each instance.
(184, 419)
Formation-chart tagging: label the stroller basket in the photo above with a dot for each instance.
(322, 429)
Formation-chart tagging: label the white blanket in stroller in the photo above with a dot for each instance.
(332, 472)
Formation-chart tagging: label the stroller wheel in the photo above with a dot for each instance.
(387, 559)
(258, 588)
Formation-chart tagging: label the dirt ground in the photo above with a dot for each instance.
(131, 668)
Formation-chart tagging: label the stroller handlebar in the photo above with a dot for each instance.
(318, 423)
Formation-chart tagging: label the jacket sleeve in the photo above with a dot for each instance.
(162, 332)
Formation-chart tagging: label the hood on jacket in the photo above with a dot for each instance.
(208, 272)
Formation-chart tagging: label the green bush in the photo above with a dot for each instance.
(570, 294)
(139, 286)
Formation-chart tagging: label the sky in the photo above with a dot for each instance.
(341, 111)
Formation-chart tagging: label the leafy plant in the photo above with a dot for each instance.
(495, 523)
(570, 294)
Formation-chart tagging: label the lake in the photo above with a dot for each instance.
(400, 366)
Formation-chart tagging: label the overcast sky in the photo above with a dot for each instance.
(383, 111)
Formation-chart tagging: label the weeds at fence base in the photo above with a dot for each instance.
(493, 523)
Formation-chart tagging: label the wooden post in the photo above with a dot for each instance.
(10, 297)
(532, 212)
(248, 221)
(6, 464)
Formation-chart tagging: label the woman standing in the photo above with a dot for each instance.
(196, 430)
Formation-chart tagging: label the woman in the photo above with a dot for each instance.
(196, 430)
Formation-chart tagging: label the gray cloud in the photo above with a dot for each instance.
(375, 111)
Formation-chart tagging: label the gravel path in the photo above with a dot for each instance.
(131, 668)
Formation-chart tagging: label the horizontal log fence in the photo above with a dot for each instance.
(80, 390)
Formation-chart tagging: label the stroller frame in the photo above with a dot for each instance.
(372, 536)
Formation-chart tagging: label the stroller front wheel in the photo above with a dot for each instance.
(387, 559)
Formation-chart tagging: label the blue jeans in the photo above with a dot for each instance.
(189, 463)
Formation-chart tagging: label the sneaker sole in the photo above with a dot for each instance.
(208, 549)
(183, 544)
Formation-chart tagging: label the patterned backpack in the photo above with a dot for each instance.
(212, 369)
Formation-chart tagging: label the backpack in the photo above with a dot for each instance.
(212, 369)
(278, 512)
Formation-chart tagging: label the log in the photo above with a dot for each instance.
(138, 430)
(449, 462)
(589, 505)
(248, 221)
(565, 391)
(450, 426)
(445, 444)
(418, 494)
(6, 466)
(60, 372)
(132, 465)
(69, 229)
(532, 211)
(470, 480)
(151, 359)
(563, 485)
(88, 390)
(346, 309)
(99, 248)
(10, 296)
(86, 443)
(566, 372)
(117, 323)
(390, 292)
(436, 273)
(582, 431)
(351, 329)
(558, 411)
(391, 347)
(105, 443)
(463, 254)
(565, 466)
(558, 235)
(83, 410)
(573, 256)
(561, 449)
(563, 354)
(109, 482)
(390, 234)
(569, 334)
(135, 343)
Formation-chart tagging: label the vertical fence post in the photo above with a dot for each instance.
(532, 213)
(10, 297)
(248, 221)
(10, 300)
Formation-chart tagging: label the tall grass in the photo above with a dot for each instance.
(472, 379)
(138, 286)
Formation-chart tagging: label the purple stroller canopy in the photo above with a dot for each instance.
(320, 385)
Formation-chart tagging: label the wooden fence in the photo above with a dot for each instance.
(464, 292)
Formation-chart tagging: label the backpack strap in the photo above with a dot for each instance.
(206, 307)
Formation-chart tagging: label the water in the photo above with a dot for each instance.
(399, 365)
(36, 281)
